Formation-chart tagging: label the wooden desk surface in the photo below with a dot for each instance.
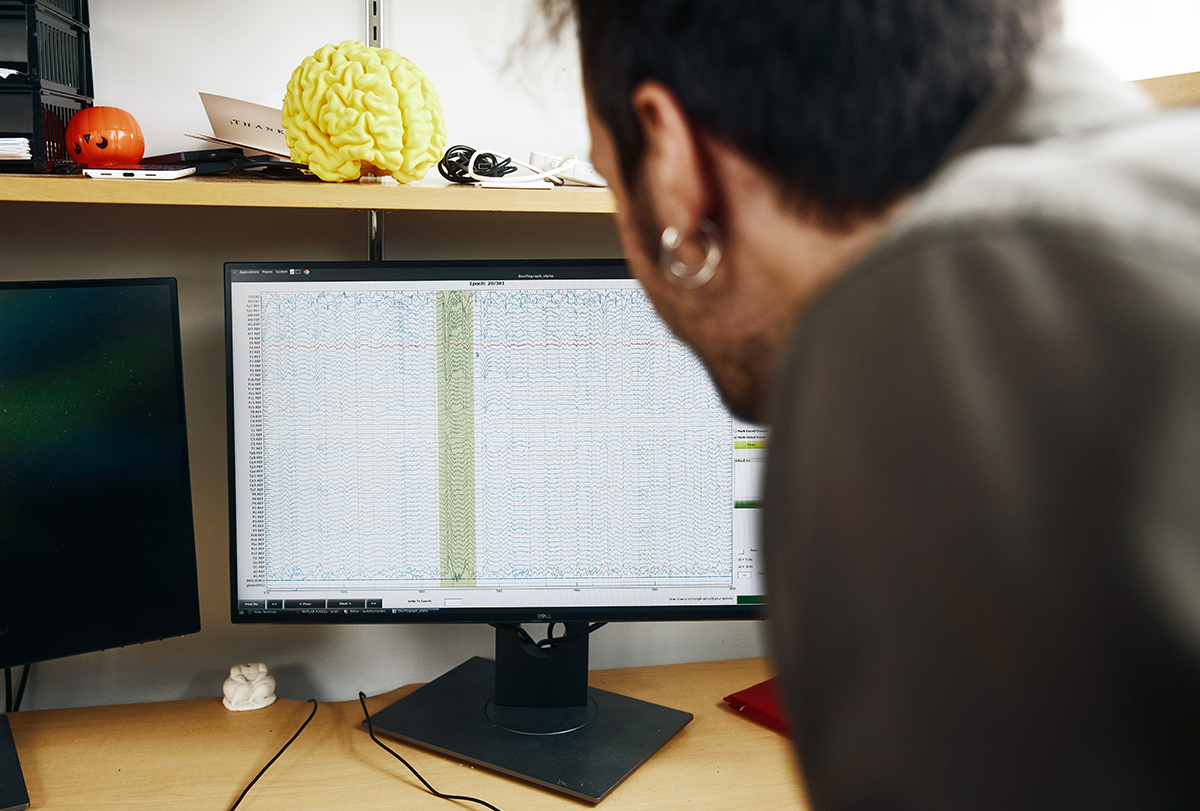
(195, 754)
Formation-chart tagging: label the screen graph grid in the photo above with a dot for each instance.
(509, 438)
(600, 443)
(349, 426)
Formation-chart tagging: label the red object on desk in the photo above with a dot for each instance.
(761, 702)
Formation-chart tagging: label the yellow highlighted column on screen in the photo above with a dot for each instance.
(456, 436)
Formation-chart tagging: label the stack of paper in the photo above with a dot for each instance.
(15, 149)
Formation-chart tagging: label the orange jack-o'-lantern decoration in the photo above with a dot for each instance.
(104, 136)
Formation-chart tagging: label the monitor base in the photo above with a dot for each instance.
(13, 795)
(451, 715)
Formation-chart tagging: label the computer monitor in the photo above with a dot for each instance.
(97, 548)
(486, 441)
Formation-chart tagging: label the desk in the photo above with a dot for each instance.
(195, 754)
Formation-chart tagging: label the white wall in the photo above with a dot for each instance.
(1136, 39)
(248, 50)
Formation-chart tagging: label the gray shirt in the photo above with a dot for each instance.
(983, 493)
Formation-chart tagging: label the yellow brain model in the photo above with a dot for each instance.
(351, 109)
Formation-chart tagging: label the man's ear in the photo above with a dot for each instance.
(675, 180)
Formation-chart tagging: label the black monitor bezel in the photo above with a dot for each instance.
(437, 269)
(104, 634)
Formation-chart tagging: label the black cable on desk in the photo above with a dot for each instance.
(277, 754)
(362, 699)
(13, 703)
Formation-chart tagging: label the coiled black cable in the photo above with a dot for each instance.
(455, 165)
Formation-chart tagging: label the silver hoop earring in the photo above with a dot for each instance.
(690, 276)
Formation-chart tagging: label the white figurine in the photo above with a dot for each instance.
(249, 687)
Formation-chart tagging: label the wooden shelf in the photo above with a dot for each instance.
(425, 195)
(1181, 90)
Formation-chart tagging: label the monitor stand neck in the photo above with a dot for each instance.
(541, 691)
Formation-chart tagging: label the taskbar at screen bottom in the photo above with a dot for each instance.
(369, 610)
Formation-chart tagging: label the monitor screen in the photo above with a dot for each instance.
(97, 548)
(500, 441)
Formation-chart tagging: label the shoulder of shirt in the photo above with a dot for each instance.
(1066, 153)
(1136, 180)
(1126, 190)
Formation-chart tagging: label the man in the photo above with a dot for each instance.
(957, 270)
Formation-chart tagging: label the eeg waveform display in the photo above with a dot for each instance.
(600, 443)
(521, 437)
(349, 436)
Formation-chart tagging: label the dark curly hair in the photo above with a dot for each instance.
(847, 104)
